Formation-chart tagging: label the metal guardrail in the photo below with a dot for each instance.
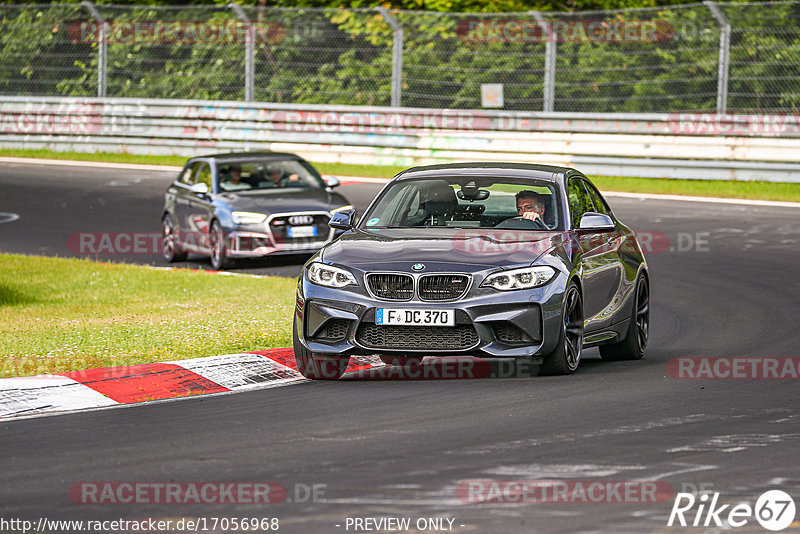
(706, 146)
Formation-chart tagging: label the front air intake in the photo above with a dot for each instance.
(391, 286)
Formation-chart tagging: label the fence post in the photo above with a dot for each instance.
(397, 56)
(102, 49)
(724, 55)
(249, 53)
(549, 62)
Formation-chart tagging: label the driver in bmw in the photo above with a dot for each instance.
(530, 206)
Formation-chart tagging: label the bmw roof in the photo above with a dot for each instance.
(516, 170)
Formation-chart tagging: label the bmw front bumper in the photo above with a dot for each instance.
(489, 323)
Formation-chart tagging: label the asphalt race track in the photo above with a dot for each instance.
(725, 281)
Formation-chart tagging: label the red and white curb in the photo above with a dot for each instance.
(111, 386)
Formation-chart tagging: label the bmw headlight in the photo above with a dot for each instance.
(246, 217)
(525, 278)
(329, 276)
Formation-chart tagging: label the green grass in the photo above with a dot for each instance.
(709, 188)
(176, 161)
(67, 314)
(786, 192)
(348, 169)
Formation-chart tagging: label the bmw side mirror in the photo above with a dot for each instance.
(200, 189)
(596, 222)
(331, 182)
(342, 219)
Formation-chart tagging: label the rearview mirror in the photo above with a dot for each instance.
(342, 219)
(596, 222)
(471, 192)
(331, 182)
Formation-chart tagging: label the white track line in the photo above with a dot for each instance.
(716, 200)
(96, 164)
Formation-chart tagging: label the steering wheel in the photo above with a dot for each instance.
(521, 223)
(540, 225)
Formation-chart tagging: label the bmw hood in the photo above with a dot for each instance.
(439, 249)
(282, 200)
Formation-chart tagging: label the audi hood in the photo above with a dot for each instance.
(283, 200)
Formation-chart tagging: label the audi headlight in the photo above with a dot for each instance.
(246, 217)
(525, 278)
(329, 276)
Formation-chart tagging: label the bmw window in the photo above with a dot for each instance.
(460, 202)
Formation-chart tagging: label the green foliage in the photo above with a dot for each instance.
(337, 56)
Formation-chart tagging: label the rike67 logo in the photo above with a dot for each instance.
(774, 510)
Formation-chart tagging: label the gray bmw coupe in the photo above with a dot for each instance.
(495, 260)
(247, 205)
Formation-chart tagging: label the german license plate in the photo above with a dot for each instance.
(301, 231)
(415, 317)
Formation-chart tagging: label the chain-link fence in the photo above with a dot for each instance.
(707, 56)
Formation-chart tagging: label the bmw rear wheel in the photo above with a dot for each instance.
(314, 366)
(632, 347)
(567, 355)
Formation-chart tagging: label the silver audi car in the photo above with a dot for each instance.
(248, 205)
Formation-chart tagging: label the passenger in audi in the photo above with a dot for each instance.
(231, 179)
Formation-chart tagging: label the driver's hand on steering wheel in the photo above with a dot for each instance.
(531, 216)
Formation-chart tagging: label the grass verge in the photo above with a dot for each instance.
(786, 192)
(176, 161)
(68, 314)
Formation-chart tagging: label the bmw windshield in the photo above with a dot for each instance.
(466, 202)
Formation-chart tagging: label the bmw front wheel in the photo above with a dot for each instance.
(567, 355)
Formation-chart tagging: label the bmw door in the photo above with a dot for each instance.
(599, 263)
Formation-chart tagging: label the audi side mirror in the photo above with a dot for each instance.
(200, 189)
(331, 182)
